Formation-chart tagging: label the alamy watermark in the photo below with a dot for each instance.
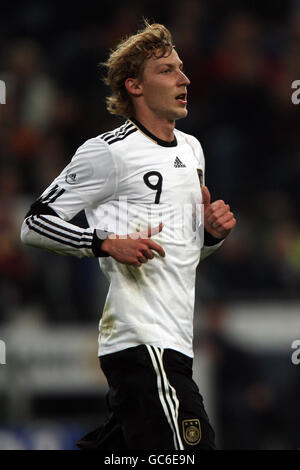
(296, 354)
(180, 223)
(2, 92)
(2, 352)
(296, 94)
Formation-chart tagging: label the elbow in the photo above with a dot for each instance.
(25, 233)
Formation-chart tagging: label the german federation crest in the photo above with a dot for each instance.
(200, 176)
(191, 431)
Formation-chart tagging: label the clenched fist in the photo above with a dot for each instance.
(218, 219)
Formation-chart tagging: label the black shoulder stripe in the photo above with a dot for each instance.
(112, 133)
(39, 207)
(105, 134)
(49, 194)
(56, 196)
(52, 195)
(117, 139)
(118, 133)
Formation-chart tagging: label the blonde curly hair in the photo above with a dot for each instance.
(127, 61)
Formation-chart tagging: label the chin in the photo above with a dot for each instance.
(174, 114)
(180, 114)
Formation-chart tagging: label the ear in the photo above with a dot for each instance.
(133, 87)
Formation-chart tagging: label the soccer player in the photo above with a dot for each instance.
(141, 186)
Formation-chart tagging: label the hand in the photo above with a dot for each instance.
(218, 220)
(135, 249)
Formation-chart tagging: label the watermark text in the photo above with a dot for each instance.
(2, 352)
(296, 353)
(2, 92)
(296, 94)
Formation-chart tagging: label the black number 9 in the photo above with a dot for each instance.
(157, 186)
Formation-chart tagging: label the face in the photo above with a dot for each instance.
(164, 87)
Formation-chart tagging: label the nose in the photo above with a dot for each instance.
(183, 79)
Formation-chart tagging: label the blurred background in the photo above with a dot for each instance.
(241, 58)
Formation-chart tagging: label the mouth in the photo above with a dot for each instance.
(182, 98)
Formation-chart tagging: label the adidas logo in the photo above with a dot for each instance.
(178, 163)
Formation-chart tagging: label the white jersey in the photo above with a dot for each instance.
(126, 180)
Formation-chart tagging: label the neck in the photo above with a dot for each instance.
(160, 127)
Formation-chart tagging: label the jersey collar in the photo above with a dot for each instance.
(158, 141)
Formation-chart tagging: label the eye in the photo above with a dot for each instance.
(165, 71)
